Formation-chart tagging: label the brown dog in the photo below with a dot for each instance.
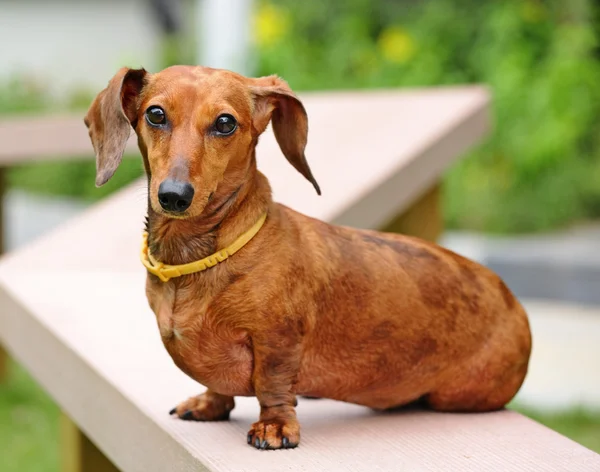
(304, 308)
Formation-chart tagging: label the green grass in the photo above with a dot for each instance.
(578, 424)
(72, 178)
(29, 425)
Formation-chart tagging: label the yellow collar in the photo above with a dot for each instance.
(165, 271)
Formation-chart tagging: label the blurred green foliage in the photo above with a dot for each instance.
(541, 167)
(22, 95)
(539, 170)
(579, 424)
(29, 425)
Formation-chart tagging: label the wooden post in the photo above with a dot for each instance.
(3, 353)
(423, 219)
(78, 453)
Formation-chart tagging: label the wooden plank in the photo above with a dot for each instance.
(370, 172)
(334, 117)
(367, 177)
(78, 453)
(127, 436)
(118, 385)
(31, 138)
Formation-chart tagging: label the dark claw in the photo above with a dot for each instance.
(172, 412)
(188, 415)
(257, 443)
(264, 444)
(249, 438)
(285, 442)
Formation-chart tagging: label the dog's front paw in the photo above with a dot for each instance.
(274, 434)
(209, 406)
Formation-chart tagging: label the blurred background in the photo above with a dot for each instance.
(526, 202)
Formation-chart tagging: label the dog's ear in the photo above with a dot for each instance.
(274, 101)
(110, 117)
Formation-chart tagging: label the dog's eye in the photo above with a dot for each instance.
(225, 124)
(156, 116)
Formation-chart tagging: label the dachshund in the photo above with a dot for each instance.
(254, 299)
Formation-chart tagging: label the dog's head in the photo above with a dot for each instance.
(197, 128)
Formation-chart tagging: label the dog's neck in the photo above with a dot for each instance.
(232, 211)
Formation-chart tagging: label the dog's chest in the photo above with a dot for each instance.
(219, 357)
(181, 316)
(172, 322)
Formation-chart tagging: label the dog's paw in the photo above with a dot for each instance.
(206, 407)
(274, 434)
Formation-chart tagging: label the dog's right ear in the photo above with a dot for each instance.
(110, 117)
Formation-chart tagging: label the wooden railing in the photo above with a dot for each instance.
(384, 177)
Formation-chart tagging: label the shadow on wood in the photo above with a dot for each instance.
(422, 219)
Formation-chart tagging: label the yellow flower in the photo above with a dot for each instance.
(396, 45)
(533, 11)
(270, 24)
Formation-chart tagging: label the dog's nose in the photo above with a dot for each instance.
(175, 196)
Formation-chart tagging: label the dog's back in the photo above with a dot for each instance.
(397, 318)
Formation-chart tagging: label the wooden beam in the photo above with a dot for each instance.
(423, 218)
(41, 138)
(78, 453)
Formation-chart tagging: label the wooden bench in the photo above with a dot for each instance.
(74, 313)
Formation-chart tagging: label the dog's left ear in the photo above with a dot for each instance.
(109, 120)
(274, 101)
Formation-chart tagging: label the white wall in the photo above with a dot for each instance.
(69, 43)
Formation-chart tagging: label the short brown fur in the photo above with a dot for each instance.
(305, 308)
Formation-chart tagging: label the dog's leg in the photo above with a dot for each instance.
(276, 366)
(209, 406)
